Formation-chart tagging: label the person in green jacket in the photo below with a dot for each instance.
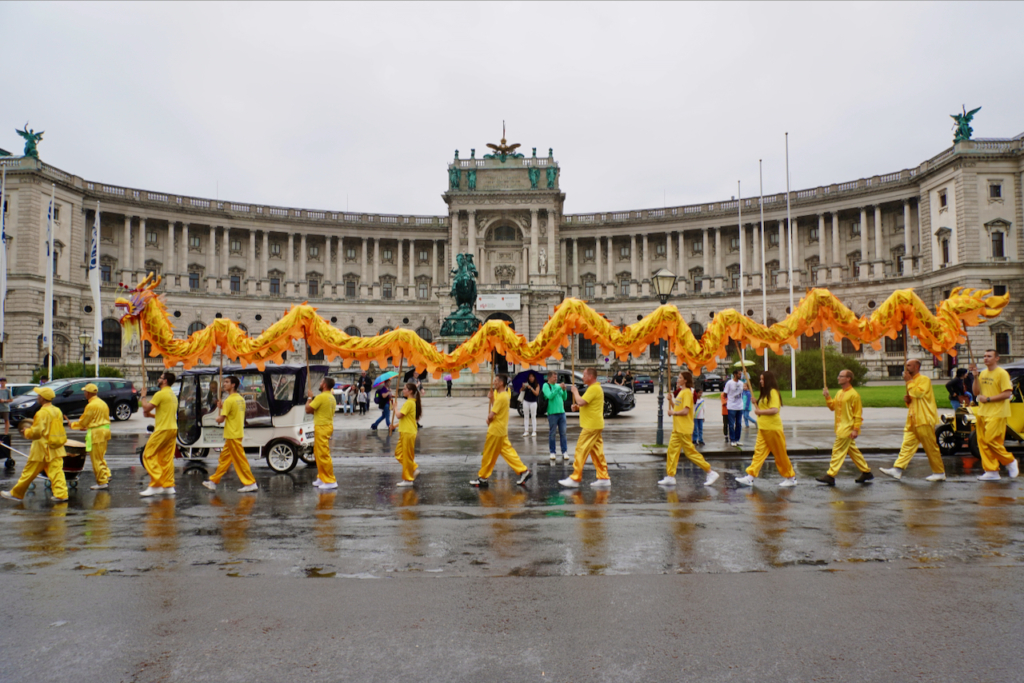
(556, 395)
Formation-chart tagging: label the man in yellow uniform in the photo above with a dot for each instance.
(158, 457)
(232, 416)
(95, 421)
(922, 416)
(47, 452)
(497, 442)
(849, 418)
(322, 409)
(993, 389)
(590, 442)
(681, 410)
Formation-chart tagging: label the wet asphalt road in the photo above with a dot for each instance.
(890, 581)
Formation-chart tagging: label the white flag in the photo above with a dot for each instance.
(3, 252)
(48, 299)
(94, 279)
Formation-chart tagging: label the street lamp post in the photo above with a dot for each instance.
(84, 339)
(664, 281)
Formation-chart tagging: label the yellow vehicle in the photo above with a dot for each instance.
(958, 431)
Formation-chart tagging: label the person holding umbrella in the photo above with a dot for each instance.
(383, 398)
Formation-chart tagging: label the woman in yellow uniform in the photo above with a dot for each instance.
(322, 408)
(770, 438)
(158, 457)
(47, 452)
(232, 416)
(95, 421)
(408, 417)
(681, 410)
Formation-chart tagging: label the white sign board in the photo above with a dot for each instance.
(497, 302)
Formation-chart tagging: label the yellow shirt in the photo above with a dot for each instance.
(592, 414)
(770, 422)
(922, 411)
(683, 423)
(323, 407)
(234, 412)
(96, 414)
(166, 410)
(849, 413)
(407, 417)
(499, 425)
(47, 426)
(994, 382)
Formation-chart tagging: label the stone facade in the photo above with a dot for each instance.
(954, 220)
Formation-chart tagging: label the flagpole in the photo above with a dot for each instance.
(765, 279)
(743, 248)
(48, 317)
(95, 284)
(789, 258)
(3, 256)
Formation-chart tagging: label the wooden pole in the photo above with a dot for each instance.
(220, 377)
(824, 372)
(142, 356)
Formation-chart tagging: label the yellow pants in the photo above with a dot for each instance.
(499, 445)
(158, 458)
(405, 453)
(991, 434)
(233, 454)
(771, 441)
(54, 470)
(322, 453)
(925, 437)
(590, 443)
(98, 455)
(683, 442)
(845, 445)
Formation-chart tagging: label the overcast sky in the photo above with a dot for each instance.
(332, 106)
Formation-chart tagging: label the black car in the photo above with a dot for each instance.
(616, 399)
(711, 381)
(120, 395)
(643, 383)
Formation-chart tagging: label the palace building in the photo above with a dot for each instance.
(952, 221)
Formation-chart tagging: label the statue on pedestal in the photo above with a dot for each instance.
(963, 125)
(462, 323)
(31, 138)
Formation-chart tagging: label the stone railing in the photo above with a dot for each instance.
(527, 162)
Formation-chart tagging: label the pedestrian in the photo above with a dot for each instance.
(922, 416)
(497, 442)
(448, 381)
(770, 437)
(748, 404)
(955, 388)
(95, 421)
(972, 374)
(725, 415)
(698, 417)
(5, 405)
(158, 456)
(382, 398)
(47, 453)
(734, 404)
(322, 409)
(590, 442)
(993, 390)
(364, 401)
(619, 378)
(630, 381)
(681, 410)
(408, 419)
(849, 417)
(556, 395)
(232, 416)
(531, 392)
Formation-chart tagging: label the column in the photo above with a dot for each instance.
(339, 268)
(534, 242)
(681, 256)
(289, 266)
(472, 237)
(524, 277)
(575, 267)
(645, 276)
(756, 269)
(250, 265)
(211, 260)
(599, 283)
(706, 264)
(552, 219)
(456, 246)
(364, 269)
(864, 244)
(433, 264)
(170, 256)
(879, 264)
(719, 275)
(793, 245)
(820, 275)
(563, 271)
(908, 261)
(668, 250)
(184, 256)
(140, 251)
(412, 271)
(398, 269)
(376, 269)
(634, 289)
(126, 251)
(265, 260)
(225, 267)
(744, 264)
(302, 288)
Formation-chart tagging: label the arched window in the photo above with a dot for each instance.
(505, 233)
(111, 339)
(195, 327)
(425, 334)
(697, 330)
(243, 328)
(353, 331)
(384, 330)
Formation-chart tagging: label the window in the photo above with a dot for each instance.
(855, 230)
(697, 247)
(995, 191)
(105, 273)
(275, 249)
(998, 290)
(425, 334)
(653, 351)
(56, 264)
(588, 253)
(849, 349)
(894, 371)
(588, 289)
(194, 242)
(236, 284)
(196, 327)
(387, 290)
(353, 331)
(350, 289)
(424, 256)
(56, 214)
(854, 264)
(314, 287)
(193, 281)
(350, 253)
(386, 254)
(895, 345)
(235, 245)
(997, 245)
(111, 339)
(773, 238)
(275, 285)
(734, 243)
(812, 234)
(505, 233)
(812, 343)
(588, 350)
(942, 199)
(734, 277)
(314, 251)
(151, 238)
(944, 248)
(1003, 343)
(624, 287)
(624, 252)
(659, 250)
(422, 291)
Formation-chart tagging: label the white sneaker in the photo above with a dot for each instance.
(151, 491)
(252, 488)
(712, 478)
(553, 457)
(98, 487)
(894, 472)
(526, 433)
(404, 483)
(169, 491)
(328, 487)
(8, 496)
(787, 482)
(990, 476)
(1013, 469)
(601, 484)
(938, 476)
(667, 481)
(317, 482)
(569, 483)
(747, 480)
(535, 433)
(210, 485)
(565, 457)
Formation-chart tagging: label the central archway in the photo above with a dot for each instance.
(500, 362)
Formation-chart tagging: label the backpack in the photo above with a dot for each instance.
(379, 399)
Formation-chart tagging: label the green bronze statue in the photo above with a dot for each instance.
(534, 177)
(454, 177)
(471, 177)
(462, 323)
(31, 138)
(552, 174)
(962, 128)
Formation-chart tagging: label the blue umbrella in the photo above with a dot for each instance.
(384, 378)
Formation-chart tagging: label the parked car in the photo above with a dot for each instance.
(120, 395)
(616, 399)
(711, 381)
(643, 383)
(20, 389)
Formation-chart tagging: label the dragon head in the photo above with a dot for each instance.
(131, 306)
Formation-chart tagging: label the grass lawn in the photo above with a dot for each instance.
(871, 397)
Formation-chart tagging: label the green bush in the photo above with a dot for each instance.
(808, 368)
(73, 370)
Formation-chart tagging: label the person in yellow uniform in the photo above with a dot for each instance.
(408, 417)
(591, 441)
(47, 452)
(158, 457)
(994, 390)
(681, 410)
(95, 421)
(497, 442)
(322, 408)
(770, 437)
(849, 417)
(232, 416)
(922, 416)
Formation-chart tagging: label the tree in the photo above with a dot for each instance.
(808, 368)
